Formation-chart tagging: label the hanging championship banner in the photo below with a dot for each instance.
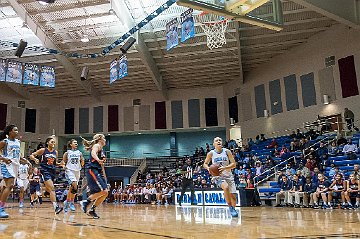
(47, 78)
(14, 72)
(123, 67)
(172, 36)
(2, 69)
(187, 25)
(31, 74)
(114, 71)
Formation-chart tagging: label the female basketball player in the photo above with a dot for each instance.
(10, 147)
(352, 192)
(35, 190)
(23, 181)
(73, 161)
(48, 168)
(95, 174)
(223, 158)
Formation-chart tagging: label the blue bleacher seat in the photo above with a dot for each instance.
(269, 190)
(346, 162)
(273, 184)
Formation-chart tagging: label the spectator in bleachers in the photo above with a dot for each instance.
(239, 170)
(259, 169)
(294, 146)
(292, 135)
(356, 171)
(315, 174)
(285, 186)
(152, 193)
(341, 141)
(272, 144)
(337, 189)
(349, 118)
(321, 191)
(284, 154)
(332, 171)
(300, 159)
(305, 172)
(295, 191)
(207, 148)
(250, 143)
(352, 192)
(257, 140)
(301, 177)
(299, 135)
(276, 152)
(279, 178)
(310, 162)
(309, 190)
(290, 169)
(197, 182)
(333, 149)
(350, 150)
(262, 138)
(322, 151)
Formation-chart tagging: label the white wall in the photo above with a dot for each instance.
(339, 41)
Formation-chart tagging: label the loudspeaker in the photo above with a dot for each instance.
(84, 73)
(21, 48)
(127, 45)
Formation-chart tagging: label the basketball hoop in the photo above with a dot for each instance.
(214, 28)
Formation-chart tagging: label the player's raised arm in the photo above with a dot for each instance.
(37, 153)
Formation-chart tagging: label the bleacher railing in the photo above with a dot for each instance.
(275, 169)
(123, 162)
(141, 169)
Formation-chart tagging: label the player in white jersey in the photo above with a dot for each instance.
(23, 181)
(73, 161)
(224, 158)
(10, 158)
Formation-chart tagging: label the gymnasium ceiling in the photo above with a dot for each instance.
(62, 24)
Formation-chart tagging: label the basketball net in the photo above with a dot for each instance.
(214, 28)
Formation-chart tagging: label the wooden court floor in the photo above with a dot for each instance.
(147, 221)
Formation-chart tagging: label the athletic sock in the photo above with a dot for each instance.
(55, 205)
(93, 207)
(2, 204)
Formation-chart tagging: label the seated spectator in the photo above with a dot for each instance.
(352, 192)
(284, 154)
(257, 139)
(250, 143)
(197, 183)
(305, 172)
(356, 171)
(309, 190)
(314, 175)
(337, 171)
(322, 150)
(272, 144)
(239, 171)
(299, 135)
(310, 163)
(333, 150)
(292, 135)
(293, 146)
(276, 152)
(332, 171)
(296, 191)
(300, 176)
(350, 150)
(249, 176)
(285, 186)
(280, 174)
(321, 191)
(262, 138)
(337, 189)
(341, 141)
(204, 184)
(300, 159)
(152, 193)
(290, 169)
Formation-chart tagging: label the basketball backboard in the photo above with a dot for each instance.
(247, 11)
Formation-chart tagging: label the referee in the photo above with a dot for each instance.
(187, 181)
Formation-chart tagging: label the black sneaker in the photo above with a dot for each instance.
(278, 205)
(84, 204)
(93, 214)
(316, 206)
(58, 209)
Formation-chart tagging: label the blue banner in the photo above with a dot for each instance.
(14, 72)
(123, 67)
(114, 71)
(187, 25)
(31, 74)
(47, 78)
(172, 36)
(2, 69)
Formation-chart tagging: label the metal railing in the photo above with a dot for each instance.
(123, 162)
(141, 169)
(328, 139)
